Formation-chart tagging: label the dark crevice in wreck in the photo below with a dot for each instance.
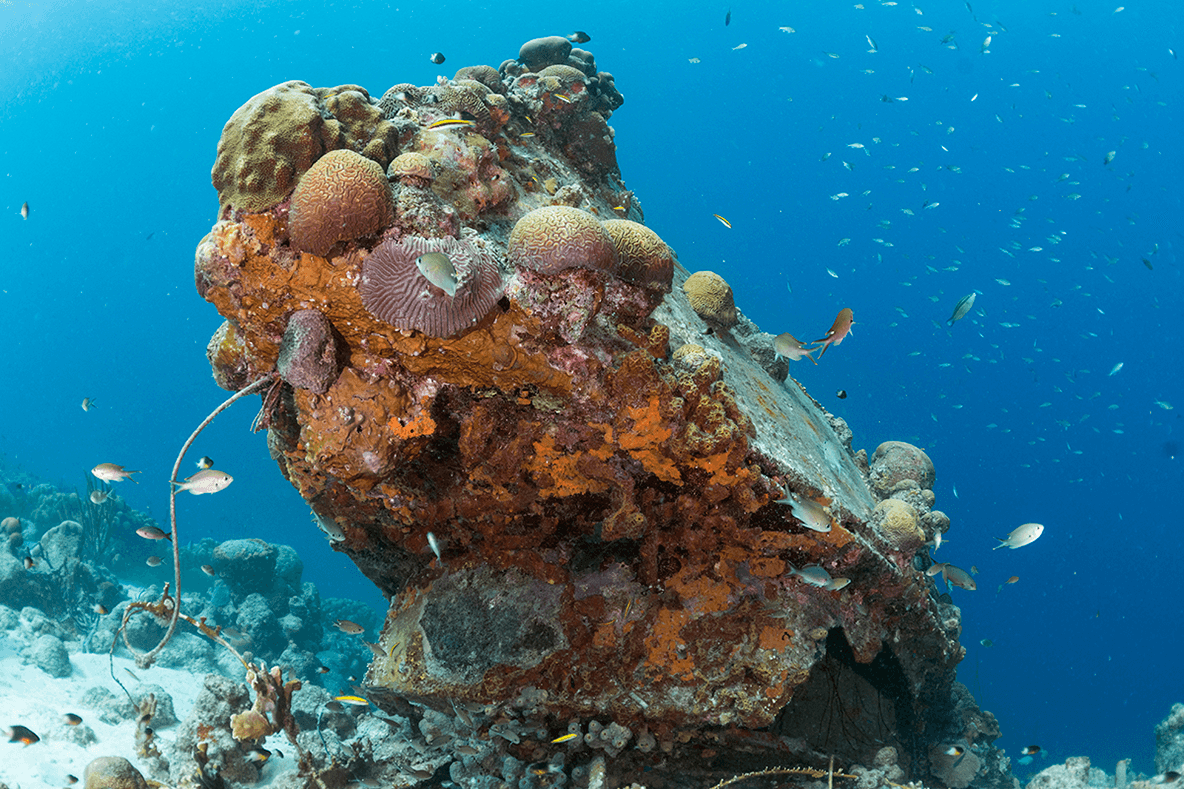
(851, 710)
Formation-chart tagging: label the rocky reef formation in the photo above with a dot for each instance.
(564, 459)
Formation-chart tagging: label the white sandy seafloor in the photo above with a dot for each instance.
(34, 699)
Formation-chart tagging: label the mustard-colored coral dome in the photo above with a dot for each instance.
(711, 297)
(642, 256)
(556, 237)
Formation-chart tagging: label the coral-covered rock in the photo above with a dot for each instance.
(556, 237)
(1169, 741)
(343, 196)
(895, 462)
(571, 523)
(711, 298)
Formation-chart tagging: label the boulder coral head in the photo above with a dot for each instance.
(642, 257)
(309, 357)
(711, 298)
(556, 237)
(894, 462)
(395, 290)
(342, 197)
(538, 53)
(266, 145)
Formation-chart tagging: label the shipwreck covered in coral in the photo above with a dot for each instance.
(577, 472)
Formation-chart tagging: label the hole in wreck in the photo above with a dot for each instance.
(851, 709)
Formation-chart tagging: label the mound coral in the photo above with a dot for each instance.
(395, 290)
(711, 298)
(538, 53)
(895, 462)
(556, 237)
(270, 141)
(642, 257)
(309, 356)
(266, 145)
(342, 197)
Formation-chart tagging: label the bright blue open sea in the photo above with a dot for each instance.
(985, 170)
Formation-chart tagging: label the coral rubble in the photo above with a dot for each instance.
(569, 520)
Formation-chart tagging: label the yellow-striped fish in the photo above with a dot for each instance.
(727, 224)
(449, 123)
(565, 738)
(357, 701)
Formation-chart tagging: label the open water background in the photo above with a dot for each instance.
(110, 116)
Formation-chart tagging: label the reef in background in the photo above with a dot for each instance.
(561, 458)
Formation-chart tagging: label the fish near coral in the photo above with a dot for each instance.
(955, 576)
(396, 289)
(838, 330)
(790, 347)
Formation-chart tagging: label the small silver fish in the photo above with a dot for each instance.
(346, 626)
(1021, 536)
(438, 270)
(205, 481)
(25, 210)
(99, 496)
(812, 514)
(964, 306)
(88, 403)
(954, 576)
(818, 576)
(111, 472)
(791, 348)
(435, 546)
(1115, 368)
(153, 561)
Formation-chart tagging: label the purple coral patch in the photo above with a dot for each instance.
(394, 290)
(309, 356)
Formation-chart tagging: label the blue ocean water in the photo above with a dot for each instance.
(991, 177)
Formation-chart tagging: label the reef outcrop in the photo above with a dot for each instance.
(573, 496)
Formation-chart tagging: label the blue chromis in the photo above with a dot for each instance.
(436, 57)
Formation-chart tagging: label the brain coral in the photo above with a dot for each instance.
(556, 237)
(265, 146)
(412, 169)
(711, 298)
(897, 523)
(642, 257)
(394, 290)
(341, 197)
